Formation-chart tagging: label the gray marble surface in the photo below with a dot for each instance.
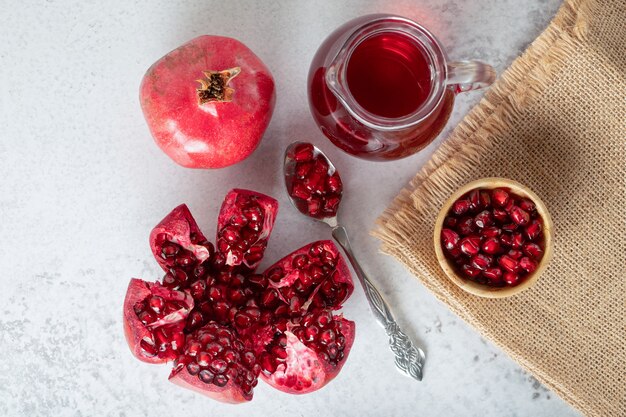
(82, 184)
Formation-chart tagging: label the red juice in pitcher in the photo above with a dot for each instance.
(380, 86)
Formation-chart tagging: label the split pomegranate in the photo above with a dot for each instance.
(493, 237)
(223, 324)
(208, 102)
(316, 186)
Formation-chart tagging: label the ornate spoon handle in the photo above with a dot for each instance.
(409, 358)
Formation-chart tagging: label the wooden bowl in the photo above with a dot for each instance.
(485, 290)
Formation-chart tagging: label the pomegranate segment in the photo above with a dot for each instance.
(222, 323)
(487, 233)
(316, 186)
(308, 353)
(244, 226)
(154, 318)
(177, 240)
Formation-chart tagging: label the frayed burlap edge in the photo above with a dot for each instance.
(501, 106)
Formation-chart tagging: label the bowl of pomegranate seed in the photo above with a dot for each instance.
(493, 237)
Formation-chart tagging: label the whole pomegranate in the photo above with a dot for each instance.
(208, 102)
(223, 324)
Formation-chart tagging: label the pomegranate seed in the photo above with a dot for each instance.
(493, 273)
(500, 197)
(324, 318)
(220, 380)
(303, 169)
(491, 232)
(519, 216)
(483, 219)
(466, 226)
(481, 261)
(218, 366)
(509, 206)
(331, 204)
(279, 352)
(517, 240)
(474, 199)
(508, 263)
(449, 238)
(327, 336)
(461, 207)
(311, 333)
(533, 230)
(485, 199)
(509, 227)
(470, 271)
(156, 303)
(314, 206)
(169, 250)
(295, 304)
(515, 254)
(511, 278)
(528, 264)
(527, 205)
(450, 222)
(267, 364)
(276, 274)
(203, 358)
(506, 239)
(491, 245)
(193, 368)
(206, 376)
(148, 347)
(333, 184)
(303, 152)
(500, 215)
(533, 250)
(300, 261)
(470, 245)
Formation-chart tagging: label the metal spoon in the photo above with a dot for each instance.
(409, 358)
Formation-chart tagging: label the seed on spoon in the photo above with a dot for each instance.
(316, 187)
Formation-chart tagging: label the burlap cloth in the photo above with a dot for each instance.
(555, 121)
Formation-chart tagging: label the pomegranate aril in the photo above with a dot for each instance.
(331, 204)
(506, 239)
(203, 358)
(333, 184)
(484, 199)
(450, 222)
(517, 240)
(302, 169)
(533, 250)
(148, 347)
(500, 216)
(220, 380)
(470, 271)
(493, 273)
(515, 254)
(511, 278)
(466, 226)
(474, 199)
(461, 207)
(206, 376)
(519, 216)
(449, 238)
(509, 227)
(193, 368)
(533, 230)
(508, 263)
(491, 246)
(314, 206)
(470, 245)
(528, 264)
(156, 303)
(490, 232)
(527, 205)
(481, 261)
(169, 250)
(327, 336)
(483, 219)
(303, 152)
(499, 197)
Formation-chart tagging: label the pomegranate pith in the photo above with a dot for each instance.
(222, 323)
(493, 237)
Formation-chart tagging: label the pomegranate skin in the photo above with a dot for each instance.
(214, 134)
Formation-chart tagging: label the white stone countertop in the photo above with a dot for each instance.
(82, 184)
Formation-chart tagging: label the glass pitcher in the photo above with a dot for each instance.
(380, 87)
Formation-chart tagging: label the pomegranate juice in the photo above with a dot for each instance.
(389, 75)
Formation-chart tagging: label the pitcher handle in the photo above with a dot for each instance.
(470, 75)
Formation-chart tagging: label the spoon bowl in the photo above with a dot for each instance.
(289, 172)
